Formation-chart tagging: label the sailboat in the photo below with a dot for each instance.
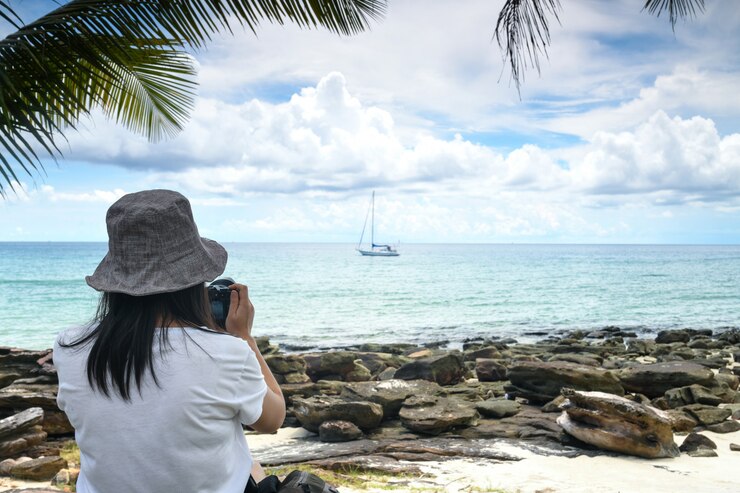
(375, 249)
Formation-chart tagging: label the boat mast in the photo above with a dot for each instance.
(372, 224)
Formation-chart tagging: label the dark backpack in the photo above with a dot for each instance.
(295, 482)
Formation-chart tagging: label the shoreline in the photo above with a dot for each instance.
(479, 418)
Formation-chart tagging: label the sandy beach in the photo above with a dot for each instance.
(551, 474)
(540, 474)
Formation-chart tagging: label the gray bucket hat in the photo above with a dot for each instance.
(154, 247)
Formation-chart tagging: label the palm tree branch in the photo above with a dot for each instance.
(676, 8)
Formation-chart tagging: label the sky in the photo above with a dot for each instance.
(630, 134)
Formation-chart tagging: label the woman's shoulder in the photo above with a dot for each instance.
(221, 342)
(72, 335)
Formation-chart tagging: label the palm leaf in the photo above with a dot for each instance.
(523, 31)
(676, 8)
(127, 57)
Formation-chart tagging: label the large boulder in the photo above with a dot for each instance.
(542, 382)
(282, 364)
(329, 365)
(671, 336)
(433, 415)
(444, 369)
(314, 411)
(655, 379)
(390, 394)
(707, 415)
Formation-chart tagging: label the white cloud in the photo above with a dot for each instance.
(663, 154)
(103, 196)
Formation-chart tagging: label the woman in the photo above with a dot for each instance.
(156, 392)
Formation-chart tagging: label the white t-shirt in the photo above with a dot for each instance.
(183, 436)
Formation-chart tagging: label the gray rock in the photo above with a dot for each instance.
(541, 382)
(735, 447)
(695, 441)
(339, 431)
(433, 415)
(445, 369)
(490, 370)
(314, 411)
(498, 408)
(727, 426)
(282, 364)
(702, 452)
(670, 336)
(389, 394)
(654, 380)
(490, 352)
(707, 415)
(41, 469)
(586, 359)
(360, 373)
(328, 364)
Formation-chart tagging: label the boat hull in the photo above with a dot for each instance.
(370, 253)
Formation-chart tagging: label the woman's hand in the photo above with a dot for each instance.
(241, 312)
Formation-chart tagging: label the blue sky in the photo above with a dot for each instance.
(630, 134)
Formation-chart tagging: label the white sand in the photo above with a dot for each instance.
(540, 474)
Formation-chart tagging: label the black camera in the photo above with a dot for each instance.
(219, 295)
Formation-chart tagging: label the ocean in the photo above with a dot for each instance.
(327, 295)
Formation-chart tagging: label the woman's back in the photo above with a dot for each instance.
(182, 435)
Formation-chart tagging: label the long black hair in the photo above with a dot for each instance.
(123, 331)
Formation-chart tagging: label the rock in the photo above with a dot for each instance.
(707, 415)
(421, 353)
(339, 431)
(433, 415)
(490, 352)
(393, 348)
(497, 408)
(24, 396)
(446, 369)
(681, 422)
(378, 362)
(554, 405)
(368, 463)
(541, 382)
(313, 411)
(735, 447)
(643, 347)
(5, 466)
(727, 426)
(586, 359)
(296, 378)
(732, 381)
(389, 394)
(17, 443)
(670, 336)
(21, 421)
(6, 378)
(617, 424)
(282, 364)
(332, 363)
(692, 394)
(41, 469)
(695, 441)
(387, 374)
(489, 370)
(654, 380)
(702, 452)
(359, 373)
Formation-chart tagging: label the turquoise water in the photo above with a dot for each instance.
(321, 295)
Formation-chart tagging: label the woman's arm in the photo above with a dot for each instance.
(239, 323)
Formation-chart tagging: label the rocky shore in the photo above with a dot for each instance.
(389, 407)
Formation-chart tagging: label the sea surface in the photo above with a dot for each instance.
(327, 295)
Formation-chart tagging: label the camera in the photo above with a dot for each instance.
(219, 295)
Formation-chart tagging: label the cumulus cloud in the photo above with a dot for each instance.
(677, 155)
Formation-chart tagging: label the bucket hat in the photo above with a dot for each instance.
(154, 247)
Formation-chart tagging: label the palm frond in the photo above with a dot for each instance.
(126, 56)
(523, 33)
(676, 8)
